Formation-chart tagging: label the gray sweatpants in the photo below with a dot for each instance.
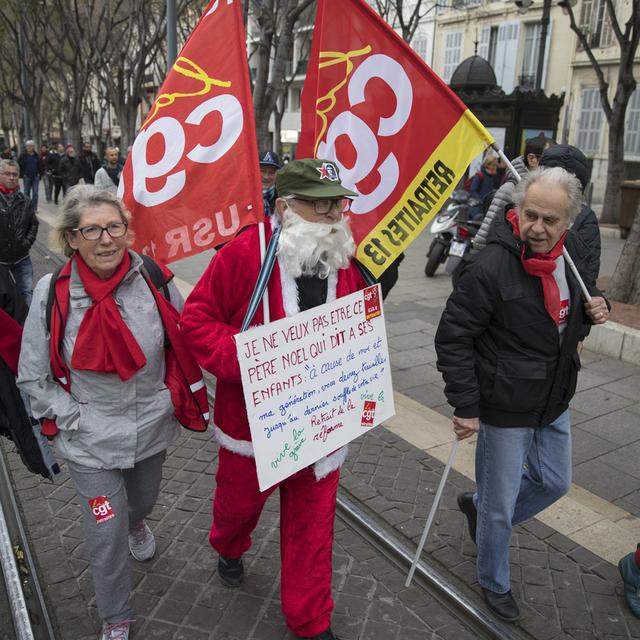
(130, 496)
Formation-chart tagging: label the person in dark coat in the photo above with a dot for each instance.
(31, 170)
(70, 169)
(507, 349)
(18, 229)
(89, 163)
(585, 226)
(269, 165)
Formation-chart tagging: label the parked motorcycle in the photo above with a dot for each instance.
(445, 230)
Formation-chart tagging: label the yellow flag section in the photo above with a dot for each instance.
(425, 194)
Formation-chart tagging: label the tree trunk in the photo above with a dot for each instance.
(615, 164)
(625, 282)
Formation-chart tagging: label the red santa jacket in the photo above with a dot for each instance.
(214, 312)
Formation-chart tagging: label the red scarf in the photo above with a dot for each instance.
(10, 338)
(542, 265)
(7, 190)
(104, 342)
(112, 348)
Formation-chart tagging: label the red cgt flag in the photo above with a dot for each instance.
(191, 180)
(401, 138)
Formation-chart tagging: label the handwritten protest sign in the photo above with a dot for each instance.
(314, 382)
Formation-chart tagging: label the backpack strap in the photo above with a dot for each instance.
(51, 297)
(156, 275)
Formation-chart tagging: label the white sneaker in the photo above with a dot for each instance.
(142, 544)
(118, 631)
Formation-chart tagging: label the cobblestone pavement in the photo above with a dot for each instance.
(566, 591)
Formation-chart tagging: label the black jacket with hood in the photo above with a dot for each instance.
(498, 350)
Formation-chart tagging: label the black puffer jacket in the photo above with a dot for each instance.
(18, 226)
(498, 349)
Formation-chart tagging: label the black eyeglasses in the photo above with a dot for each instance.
(10, 175)
(323, 207)
(94, 231)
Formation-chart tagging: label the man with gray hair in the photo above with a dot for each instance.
(18, 228)
(507, 349)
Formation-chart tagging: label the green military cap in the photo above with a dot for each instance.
(311, 179)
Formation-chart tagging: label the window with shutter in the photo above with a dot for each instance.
(452, 53)
(632, 128)
(589, 121)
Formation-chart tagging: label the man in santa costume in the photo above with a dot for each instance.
(313, 266)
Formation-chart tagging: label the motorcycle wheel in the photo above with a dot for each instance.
(435, 258)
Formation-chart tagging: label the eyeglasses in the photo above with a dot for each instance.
(11, 175)
(94, 231)
(323, 207)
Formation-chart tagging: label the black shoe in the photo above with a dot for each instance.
(465, 502)
(502, 604)
(327, 634)
(231, 572)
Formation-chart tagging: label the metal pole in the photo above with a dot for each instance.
(434, 508)
(546, 10)
(172, 34)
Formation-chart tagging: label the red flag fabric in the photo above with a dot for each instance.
(192, 179)
(401, 138)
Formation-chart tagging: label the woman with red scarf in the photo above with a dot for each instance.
(109, 382)
(507, 349)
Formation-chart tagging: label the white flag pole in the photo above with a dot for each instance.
(565, 253)
(434, 508)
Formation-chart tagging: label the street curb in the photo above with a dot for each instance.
(610, 231)
(616, 341)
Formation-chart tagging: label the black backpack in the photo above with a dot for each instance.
(149, 265)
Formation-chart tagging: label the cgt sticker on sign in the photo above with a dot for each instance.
(372, 307)
(101, 508)
(368, 413)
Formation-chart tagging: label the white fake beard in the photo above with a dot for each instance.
(314, 248)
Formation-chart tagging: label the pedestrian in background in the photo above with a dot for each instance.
(482, 183)
(106, 377)
(18, 228)
(55, 158)
(269, 166)
(89, 163)
(70, 169)
(108, 176)
(31, 168)
(46, 173)
(507, 349)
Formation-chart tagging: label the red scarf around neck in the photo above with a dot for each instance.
(542, 265)
(183, 376)
(104, 342)
(7, 190)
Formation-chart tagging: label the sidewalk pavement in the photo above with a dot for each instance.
(561, 562)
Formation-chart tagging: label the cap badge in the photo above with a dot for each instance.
(328, 171)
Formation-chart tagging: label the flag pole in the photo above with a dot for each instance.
(434, 508)
(585, 293)
(263, 253)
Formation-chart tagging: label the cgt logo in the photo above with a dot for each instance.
(101, 509)
(366, 141)
(368, 413)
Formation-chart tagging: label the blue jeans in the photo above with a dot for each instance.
(23, 273)
(31, 190)
(519, 472)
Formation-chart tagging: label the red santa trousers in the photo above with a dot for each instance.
(307, 511)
